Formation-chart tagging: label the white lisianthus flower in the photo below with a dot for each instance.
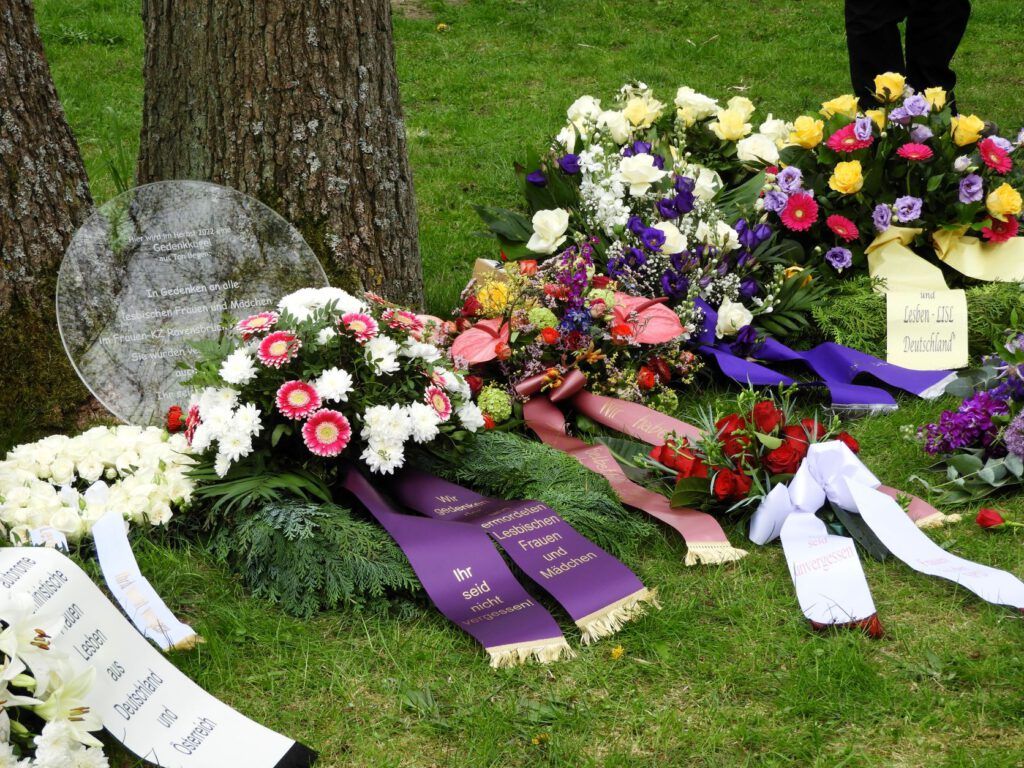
(239, 367)
(639, 172)
(732, 316)
(566, 138)
(728, 239)
(583, 111)
(675, 241)
(616, 125)
(382, 353)
(470, 415)
(757, 148)
(962, 163)
(693, 106)
(334, 385)
(549, 227)
(777, 130)
(423, 421)
(706, 182)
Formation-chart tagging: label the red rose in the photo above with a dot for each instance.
(766, 416)
(730, 486)
(502, 350)
(528, 267)
(784, 460)
(471, 307)
(814, 428)
(734, 445)
(661, 368)
(989, 518)
(175, 420)
(488, 421)
(680, 458)
(851, 442)
(600, 281)
(475, 384)
(646, 378)
(797, 438)
(621, 332)
(556, 290)
(549, 335)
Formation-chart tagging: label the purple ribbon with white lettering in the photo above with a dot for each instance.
(835, 365)
(469, 581)
(594, 587)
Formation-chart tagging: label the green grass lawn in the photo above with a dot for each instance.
(727, 674)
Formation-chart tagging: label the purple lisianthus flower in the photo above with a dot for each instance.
(747, 236)
(636, 148)
(569, 164)
(635, 225)
(658, 162)
(746, 340)
(972, 188)
(775, 201)
(762, 232)
(667, 208)
(674, 285)
(684, 184)
(1003, 144)
(882, 217)
(634, 258)
(840, 258)
(863, 127)
(749, 288)
(900, 116)
(537, 178)
(790, 179)
(917, 105)
(920, 133)
(908, 208)
(683, 202)
(652, 238)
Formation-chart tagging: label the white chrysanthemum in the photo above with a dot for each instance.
(324, 335)
(247, 420)
(334, 385)
(420, 350)
(382, 353)
(384, 458)
(235, 443)
(239, 367)
(470, 415)
(386, 424)
(303, 303)
(423, 421)
(221, 464)
(213, 398)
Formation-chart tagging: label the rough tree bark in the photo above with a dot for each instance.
(44, 196)
(296, 103)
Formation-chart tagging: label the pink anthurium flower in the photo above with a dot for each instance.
(480, 343)
(652, 322)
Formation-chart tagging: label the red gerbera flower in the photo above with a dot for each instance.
(842, 227)
(995, 157)
(915, 152)
(1000, 231)
(800, 213)
(845, 140)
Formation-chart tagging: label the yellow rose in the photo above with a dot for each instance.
(796, 269)
(730, 125)
(967, 129)
(743, 105)
(936, 97)
(878, 115)
(807, 132)
(1004, 201)
(890, 86)
(841, 105)
(642, 112)
(493, 297)
(847, 178)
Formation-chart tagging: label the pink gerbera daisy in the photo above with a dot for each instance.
(297, 399)
(254, 324)
(327, 432)
(278, 348)
(915, 152)
(439, 401)
(842, 227)
(800, 213)
(360, 325)
(995, 157)
(845, 140)
(400, 318)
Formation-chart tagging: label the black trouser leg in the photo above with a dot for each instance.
(934, 30)
(873, 41)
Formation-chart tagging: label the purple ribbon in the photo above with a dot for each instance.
(468, 580)
(594, 587)
(835, 365)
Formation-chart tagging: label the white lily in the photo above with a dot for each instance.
(67, 704)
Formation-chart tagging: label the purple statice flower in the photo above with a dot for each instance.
(1013, 437)
(840, 258)
(921, 133)
(667, 208)
(790, 179)
(537, 178)
(684, 184)
(652, 238)
(908, 208)
(972, 188)
(775, 200)
(674, 285)
(917, 105)
(683, 202)
(863, 127)
(635, 225)
(749, 288)
(570, 164)
(970, 426)
(882, 217)
(900, 116)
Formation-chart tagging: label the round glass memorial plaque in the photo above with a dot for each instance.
(163, 266)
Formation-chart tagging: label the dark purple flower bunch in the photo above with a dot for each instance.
(969, 426)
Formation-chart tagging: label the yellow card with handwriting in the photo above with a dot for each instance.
(927, 330)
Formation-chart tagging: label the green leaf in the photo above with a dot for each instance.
(691, 492)
(768, 441)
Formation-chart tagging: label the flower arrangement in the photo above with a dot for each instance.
(980, 443)
(850, 175)
(327, 376)
(742, 454)
(69, 483)
(527, 320)
(44, 721)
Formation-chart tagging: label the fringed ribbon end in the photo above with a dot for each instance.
(541, 651)
(871, 626)
(937, 520)
(611, 618)
(188, 643)
(712, 553)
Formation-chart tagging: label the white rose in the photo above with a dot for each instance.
(616, 124)
(727, 237)
(777, 130)
(640, 172)
(757, 148)
(549, 229)
(707, 182)
(694, 106)
(567, 138)
(583, 110)
(675, 241)
(62, 471)
(731, 318)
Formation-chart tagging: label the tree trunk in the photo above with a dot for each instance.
(44, 196)
(296, 103)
